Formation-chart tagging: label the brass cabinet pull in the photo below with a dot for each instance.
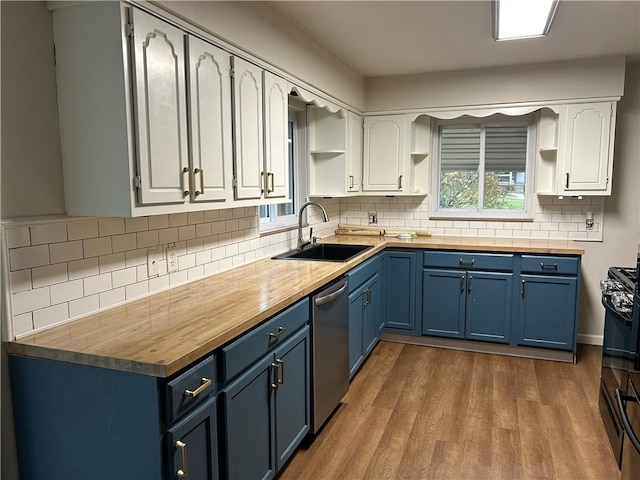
(400, 182)
(566, 182)
(201, 172)
(280, 363)
(351, 181)
(281, 330)
(273, 182)
(263, 177)
(186, 191)
(206, 382)
(276, 381)
(184, 471)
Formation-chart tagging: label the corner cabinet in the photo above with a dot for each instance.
(586, 141)
(146, 115)
(385, 154)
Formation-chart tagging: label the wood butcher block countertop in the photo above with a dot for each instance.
(165, 332)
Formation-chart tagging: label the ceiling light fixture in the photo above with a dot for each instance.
(523, 18)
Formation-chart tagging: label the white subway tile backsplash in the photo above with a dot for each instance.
(20, 281)
(127, 276)
(147, 239)
(49, 275)
(186, 232)
(18, 237)
(109, 263)
(158, 222)
(67, 291)
(94, 247)
(50, 316)
(84, 306)
(135, 257)
(82, 230)
(112, 297)
(48, 233)
(29, 301)
(203, 257)
(66, 251)
(211, 215)
(83, 268)
(178, 219)
(111, 226)
(136, 224)
(167, 235)
(27, 257)
(124, 243)
(158, 283)
(195, 217)
(178, 278)
(97, 284)
(203, 230)
(22, 324)
(136, 290)
(186, 261)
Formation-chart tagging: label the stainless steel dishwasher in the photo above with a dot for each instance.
(330, 350)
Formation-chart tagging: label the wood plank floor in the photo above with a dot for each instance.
(415, 412)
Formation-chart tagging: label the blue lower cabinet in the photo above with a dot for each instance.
(548, 307)
(400, 299)
(467, 305)
(488, 306)
(443, 302)
(364, 322)
(266, 411)
(191, 445)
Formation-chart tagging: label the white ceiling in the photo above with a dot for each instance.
(382, 38)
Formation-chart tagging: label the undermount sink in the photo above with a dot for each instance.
(329, 252)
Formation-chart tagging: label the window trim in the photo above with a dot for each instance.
(489, 214)
(297, 112)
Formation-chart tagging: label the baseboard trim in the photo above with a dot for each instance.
(480, 347)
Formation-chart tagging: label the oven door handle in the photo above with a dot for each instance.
(620, 396)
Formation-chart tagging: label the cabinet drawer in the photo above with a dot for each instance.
(190, 388)
(469, 260)
(550, 264)
(240, 354)
(363, 272)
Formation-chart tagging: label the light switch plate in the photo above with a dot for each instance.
(153, 262)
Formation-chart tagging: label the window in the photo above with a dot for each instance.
(483, 168)
(284, 215)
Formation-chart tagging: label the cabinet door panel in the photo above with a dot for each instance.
(586, 136)
(371, 312)
(443, 305)
(354, 152)
(199, 448)
(401, 290)
(210, 100)
(384, 153)
(293, 412)
(488, 309)
(248, 134)
(548, 311)
(248, 407)
(160, 108)
(276, 121)
(356, 322)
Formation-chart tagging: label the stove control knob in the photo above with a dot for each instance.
(607, 286)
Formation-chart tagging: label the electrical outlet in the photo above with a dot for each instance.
(153, 263)
(172, 260)
(373, 218)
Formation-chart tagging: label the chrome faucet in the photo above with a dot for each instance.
(301, 241)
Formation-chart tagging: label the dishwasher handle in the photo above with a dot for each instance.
(331, 296)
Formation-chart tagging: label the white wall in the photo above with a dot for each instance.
(552, 81)
(31, 163)
(258, 28)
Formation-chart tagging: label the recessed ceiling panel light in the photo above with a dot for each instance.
(523, 18)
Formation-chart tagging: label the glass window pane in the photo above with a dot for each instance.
(505, 165)
(459, 162)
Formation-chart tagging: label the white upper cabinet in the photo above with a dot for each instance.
(276, 147)
(586, 148)
(335, 152)
(260, 120)
(211, 169)
(385, 154)
(160, 109)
